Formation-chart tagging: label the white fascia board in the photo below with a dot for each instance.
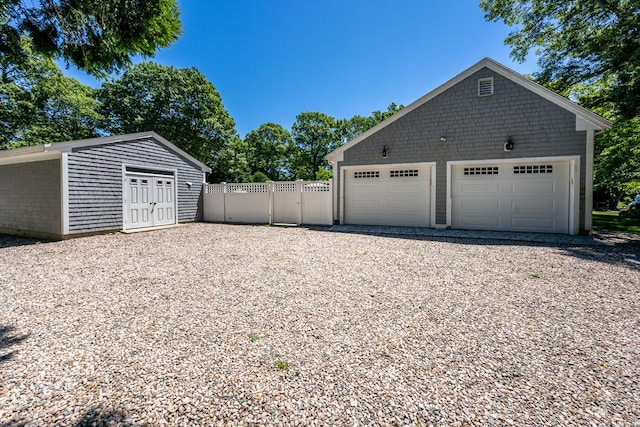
(27, 158)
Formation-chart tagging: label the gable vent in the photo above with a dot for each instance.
(485, 86)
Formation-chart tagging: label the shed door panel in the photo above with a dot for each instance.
(511, 197)
(139, 203)
(164, 208)
(388, 196)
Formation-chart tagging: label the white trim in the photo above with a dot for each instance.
(515, 160)
(389, 165)
(587, 116)
(574, 183)
(588, 183)
(432, 189)
(432, 181)
(341, 195)
(334, 196)
(574, 196)
(64, 187)
(124, 197)
(590, 130)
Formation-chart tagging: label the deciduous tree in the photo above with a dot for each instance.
(314, 135)
(98, 36)
(39, 104)
(178, 103)
(268, 151)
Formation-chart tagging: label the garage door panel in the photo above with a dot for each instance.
(403, 219)
(533, 205)
(369, 189)
(517, 197)
(531, 223)
(480, 187)
(480, 204)
(366, 205)
(538, 187)
(473, 221)
(388, 196)
(403, 188)
(403, 205)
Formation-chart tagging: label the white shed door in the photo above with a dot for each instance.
(149, 201)
(388, 196)
(138, 202)
(511, 197)
(164, 203)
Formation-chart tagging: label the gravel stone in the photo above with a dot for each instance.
(213, 324)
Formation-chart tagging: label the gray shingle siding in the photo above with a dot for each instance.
(476, 128)
(30, 195)
(95, 183)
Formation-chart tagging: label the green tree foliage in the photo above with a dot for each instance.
(350, 128)
(268, 152)
(578, 42)
(39, 104)
(617, 164)
(231, 162)
(98, 36)
(314, 135)
(178, 103)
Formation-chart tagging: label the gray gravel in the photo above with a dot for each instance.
(223, 324)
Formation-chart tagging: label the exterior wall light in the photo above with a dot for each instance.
(508, 146)
(384, 152)
(443, 139)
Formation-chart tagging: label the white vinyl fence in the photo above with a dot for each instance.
(290, 202)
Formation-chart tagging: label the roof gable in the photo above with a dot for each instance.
(67, 147)
(594, 120)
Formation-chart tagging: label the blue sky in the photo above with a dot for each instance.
(273, 59)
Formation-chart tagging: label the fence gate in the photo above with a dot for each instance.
(282, 202)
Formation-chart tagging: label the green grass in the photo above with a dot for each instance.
(282, 365)
(613, 222)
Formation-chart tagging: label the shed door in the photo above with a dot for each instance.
(512, 197)
(149, 201)
(164, 210)
(138, 204)
(388, 196)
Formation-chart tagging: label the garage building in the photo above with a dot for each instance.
(488, 150)
(76, 188)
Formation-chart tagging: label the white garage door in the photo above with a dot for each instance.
(513, 197)
(388, 196)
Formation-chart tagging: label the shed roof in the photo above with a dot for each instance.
(590, 117)
(35, 151)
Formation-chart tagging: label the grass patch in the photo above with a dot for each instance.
(282, 365)
(612, 221)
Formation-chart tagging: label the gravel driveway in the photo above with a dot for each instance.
(223, 324)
